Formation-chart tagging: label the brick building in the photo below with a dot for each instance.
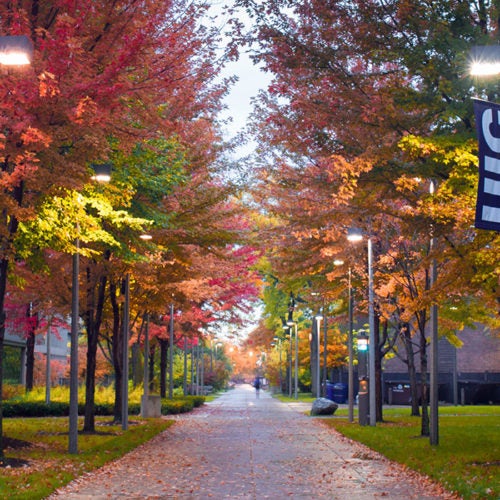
(467, 375)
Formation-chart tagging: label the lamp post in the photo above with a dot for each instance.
(354, 235)
(171, 354)
(296, 388)
(350, 340)
(146, 360)
(73, 356)
(279, 339)
(289, 354)
(75, 317)
(363, 383)
(14, 51)
(318, 319)
(434, 398)
(126, 321)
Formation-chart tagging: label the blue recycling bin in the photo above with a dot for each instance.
(336, 392)
(329, 390)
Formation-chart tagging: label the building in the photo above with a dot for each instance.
(467, 375)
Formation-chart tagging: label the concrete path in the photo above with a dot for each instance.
(246, 447)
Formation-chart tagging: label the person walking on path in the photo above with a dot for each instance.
(256, 384)
(241, 447)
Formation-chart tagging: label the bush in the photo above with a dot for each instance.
(13, 409)
(21, 408)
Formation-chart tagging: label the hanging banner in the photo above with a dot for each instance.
(488, 192)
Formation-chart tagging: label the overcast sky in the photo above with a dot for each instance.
(250, 81)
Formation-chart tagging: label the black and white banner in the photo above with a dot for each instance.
(488, 191)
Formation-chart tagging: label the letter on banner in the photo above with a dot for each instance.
(488, 190)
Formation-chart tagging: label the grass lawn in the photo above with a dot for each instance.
(467, 459)
(36, 452)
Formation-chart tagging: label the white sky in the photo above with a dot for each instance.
(250, 81)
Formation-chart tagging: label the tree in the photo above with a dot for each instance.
(89, 91)
(366, 97)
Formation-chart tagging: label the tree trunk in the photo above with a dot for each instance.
(378, 372)
(163, 367)
(3, 285)
(117, 353)
(425, 428)
(136, 369)
(412, 370)
(30, 353)
(151, 366)
(12, 225)
(93, 319)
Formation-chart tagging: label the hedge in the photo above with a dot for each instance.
(16, 409)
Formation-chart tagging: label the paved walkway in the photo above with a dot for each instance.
(246, 447)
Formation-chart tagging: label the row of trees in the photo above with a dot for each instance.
(135, 84)
(369, 104)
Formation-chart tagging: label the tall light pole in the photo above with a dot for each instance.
(171, 354)
(280, 372)
(363, 396)
(318, 319)
(434, 371)
(146, 356)
(102, 175)
(126, 325)
(354, 235)
(294, 324)
(10, 49)
(350, 350)
(350, 340)
(73, 356)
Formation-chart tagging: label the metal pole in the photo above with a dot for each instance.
(202, 371)
(363, 397)
(350, 381)
(146, 358)
(126, 318)
(191, 391)
(184, 379)
(325, 349)
(290, 384)
(280, 370)
(171, 354)
(296, 363)
(434, 399)
(372, 347)
(47, 365)
(318, 367)
(73, 376)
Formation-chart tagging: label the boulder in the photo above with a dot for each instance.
(323, 406)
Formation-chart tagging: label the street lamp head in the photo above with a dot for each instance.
(354, 235)
(102, 172)
(362, 341)
(290, 323)
(339, 262)
(485, 60)
(15, 50)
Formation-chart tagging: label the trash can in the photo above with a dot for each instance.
(339, 392)
(336, 392)
(329, 390)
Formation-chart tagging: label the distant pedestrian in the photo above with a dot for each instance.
(256, 384)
